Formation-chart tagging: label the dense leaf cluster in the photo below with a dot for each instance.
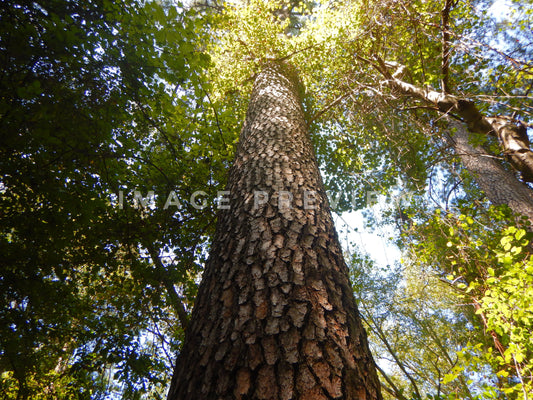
(99, 97)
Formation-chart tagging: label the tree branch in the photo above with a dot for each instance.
(381, 335)
(445, 15)
(169, 286)
(393, 390)
(513, 137)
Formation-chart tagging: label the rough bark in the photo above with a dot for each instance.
(275, 317)
(499, 185)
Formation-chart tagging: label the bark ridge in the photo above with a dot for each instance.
(275, 316)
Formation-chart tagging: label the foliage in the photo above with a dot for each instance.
(489, 271)
(95, 98)
(484, 64)
(103, 98)
(414, 329)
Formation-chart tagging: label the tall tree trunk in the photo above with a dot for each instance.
(275, 317)
(499, 185)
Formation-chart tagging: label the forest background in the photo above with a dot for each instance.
(99, 99)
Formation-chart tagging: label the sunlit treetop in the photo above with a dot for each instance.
(305, 34)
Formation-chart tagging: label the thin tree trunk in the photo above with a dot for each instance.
(275, 317)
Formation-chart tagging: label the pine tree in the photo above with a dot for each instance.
(275, 317)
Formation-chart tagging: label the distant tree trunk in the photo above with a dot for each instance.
(275, 317)
(498, 184)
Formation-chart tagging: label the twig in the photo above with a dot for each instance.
(445, 82)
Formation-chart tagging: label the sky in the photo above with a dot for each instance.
(355, 236)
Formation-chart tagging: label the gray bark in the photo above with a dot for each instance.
(499, 185)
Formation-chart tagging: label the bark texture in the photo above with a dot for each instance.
(275, 317)
(499, 185)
